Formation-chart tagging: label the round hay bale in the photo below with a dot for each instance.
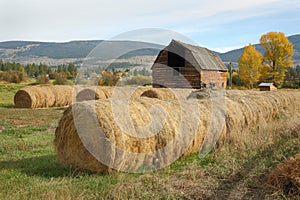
(22, 99)
(166, 93)
(43, 97)
(95, 93)
(88, 94)
(77, 138)
(103, 92)
(136, 138)
(161, 93)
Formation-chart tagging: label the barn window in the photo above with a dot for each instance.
(175, 60)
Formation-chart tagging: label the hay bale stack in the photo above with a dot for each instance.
(43, 97)
(243, 111)
(95, 93)
(71, 150)
(249, 110)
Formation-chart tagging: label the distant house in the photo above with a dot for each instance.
(181, 65)
(267, 87)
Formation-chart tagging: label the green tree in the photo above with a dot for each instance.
(278, 55)
(250, 64)
(298, 74)
(72, 69)
(42, 79)
(60, 78)
(59, 69)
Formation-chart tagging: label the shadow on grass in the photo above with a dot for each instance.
(7, 105)
(43, 166)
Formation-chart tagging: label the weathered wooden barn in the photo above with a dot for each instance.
(181, 65)
(267, 87)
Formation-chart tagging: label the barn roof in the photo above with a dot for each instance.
(266, 84)
(205, 59)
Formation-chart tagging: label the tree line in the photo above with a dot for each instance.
(15, 72)
(274, 66)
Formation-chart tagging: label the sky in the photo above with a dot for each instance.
(216, 24)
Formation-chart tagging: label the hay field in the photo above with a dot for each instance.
(236, 170)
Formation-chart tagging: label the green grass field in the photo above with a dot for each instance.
(28, 167)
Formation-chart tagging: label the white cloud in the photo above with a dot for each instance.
(59, 20)
(226, 49)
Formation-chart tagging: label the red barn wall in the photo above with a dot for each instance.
(215, 79)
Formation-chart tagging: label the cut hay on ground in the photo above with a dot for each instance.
(43, 97)
(244, 110)
(287, 176)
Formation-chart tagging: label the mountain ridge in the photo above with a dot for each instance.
(77, 50)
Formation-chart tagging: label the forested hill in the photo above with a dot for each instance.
(24, 51)
(18, 50)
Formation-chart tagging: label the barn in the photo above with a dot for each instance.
(267, 87)
(182, 65)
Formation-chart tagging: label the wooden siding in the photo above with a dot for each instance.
(267, 88)
(174, 77)
(186, 76)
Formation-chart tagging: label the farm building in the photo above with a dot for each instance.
(181, 65)
(267, 87)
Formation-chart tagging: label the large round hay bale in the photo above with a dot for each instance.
(131, 137)
(77, 138)
(159, 93)
(103, 92)
(43, 96)
(95, 93)
(91, 93)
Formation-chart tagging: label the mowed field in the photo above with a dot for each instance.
(29, 170)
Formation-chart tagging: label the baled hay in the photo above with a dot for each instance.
(256, 108)
(43, 97)
(71, 151)
(159, 93)
(92, 93)
(242, 112)
(95, 93)
(104, 92)
(287, 176)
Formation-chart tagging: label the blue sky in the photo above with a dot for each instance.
(215, 24)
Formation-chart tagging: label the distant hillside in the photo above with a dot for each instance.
(22, 51)
(233, 56)
(76, 51)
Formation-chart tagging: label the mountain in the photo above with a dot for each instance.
(50, 52)
(234, 55)
(53, 53)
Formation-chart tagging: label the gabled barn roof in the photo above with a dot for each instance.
(204, 58)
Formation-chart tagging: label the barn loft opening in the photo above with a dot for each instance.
(175, 60)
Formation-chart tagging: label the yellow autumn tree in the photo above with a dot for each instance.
(250, 66)
(278, 55)
(108, 79)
